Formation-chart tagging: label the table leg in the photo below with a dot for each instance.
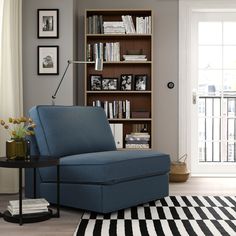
(58, 191)
(34, 182)
(20, 197)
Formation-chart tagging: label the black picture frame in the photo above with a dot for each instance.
(48, 60)
(140, 82)
(110, 84)
(126, 82)
(48, 23)
(95, 82)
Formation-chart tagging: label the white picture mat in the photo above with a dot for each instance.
(44, 52)
(53, 33)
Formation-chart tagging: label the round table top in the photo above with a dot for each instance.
(32, 162)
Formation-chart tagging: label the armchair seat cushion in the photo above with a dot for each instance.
(109, 167)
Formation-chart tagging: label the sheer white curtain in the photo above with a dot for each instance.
(11, 91)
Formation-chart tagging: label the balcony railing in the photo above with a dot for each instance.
(217, 128)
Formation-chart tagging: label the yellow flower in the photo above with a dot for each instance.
(23, 119)
(18, 127)
(33, 125)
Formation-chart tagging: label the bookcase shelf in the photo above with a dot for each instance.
(132, 119)
(122, 92)
(118, 35)
(138, 101)
(123, 62)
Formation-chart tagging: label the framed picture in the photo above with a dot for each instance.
(95, 82)
(48, 23)
(126, 82)
(109, 83)
(48, 60)
(140, 82)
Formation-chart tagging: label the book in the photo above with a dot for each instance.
(29, 206)
(110, 110)
(137, 146)
(117, 131)
(127, 109)
(37, 202)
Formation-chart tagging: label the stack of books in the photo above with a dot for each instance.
(135, 57)
(137, 140)
(143, 25)
(95, 24)
(114, 27)
(129, 24)
(109, 51)
(29, 206)
(112, 51)
(116, 109)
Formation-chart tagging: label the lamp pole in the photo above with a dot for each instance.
(98, 67)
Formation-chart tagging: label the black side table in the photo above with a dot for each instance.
(32, 162)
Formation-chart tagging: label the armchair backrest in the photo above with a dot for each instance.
(69, 130)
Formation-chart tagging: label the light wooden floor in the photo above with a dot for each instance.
(66, 224)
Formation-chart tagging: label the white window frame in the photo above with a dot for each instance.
(186, 9)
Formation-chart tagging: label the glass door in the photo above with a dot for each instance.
(213, 77)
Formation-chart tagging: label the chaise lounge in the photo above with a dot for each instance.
(94, 175)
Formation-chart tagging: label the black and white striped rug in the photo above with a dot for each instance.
(174, 215)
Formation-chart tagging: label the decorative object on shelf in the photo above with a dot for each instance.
(18, 129)
(48, 23)
(126, 82)
(140, 82)
(135, 58)
(98, 67)
(109, 83)
(95, 82)
(48, 60)
(140, 114)
(178, 170)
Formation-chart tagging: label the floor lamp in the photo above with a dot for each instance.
(98, 67)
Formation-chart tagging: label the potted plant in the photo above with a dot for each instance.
(18, 129)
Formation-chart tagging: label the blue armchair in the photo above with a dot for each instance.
(94, 175)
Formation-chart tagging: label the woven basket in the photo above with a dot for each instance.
(179, 171)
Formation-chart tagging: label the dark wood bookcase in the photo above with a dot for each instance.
(140, 100)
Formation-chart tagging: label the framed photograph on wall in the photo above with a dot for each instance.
(109, 83)
(95, 82)
(126, 82)
(48, 23)
(48, 60)
(140, 82)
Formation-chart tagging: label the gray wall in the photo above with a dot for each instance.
(165, 63)
(39, 89)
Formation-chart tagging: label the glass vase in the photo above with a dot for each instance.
(17, 148)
